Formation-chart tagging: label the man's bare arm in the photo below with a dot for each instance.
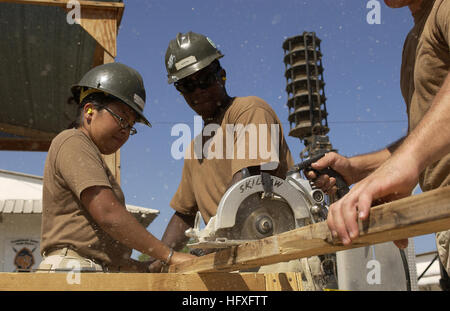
(352, 169)
(430, 140)
(174, 236)
(397, 177)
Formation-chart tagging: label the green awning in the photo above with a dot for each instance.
(41, 56)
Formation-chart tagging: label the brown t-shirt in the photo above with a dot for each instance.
(425, 65)
(74, 164)
(248, 134)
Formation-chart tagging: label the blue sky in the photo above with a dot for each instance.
(362, 76)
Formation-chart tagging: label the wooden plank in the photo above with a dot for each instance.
(416, 215)
(100, 19)
(283, 281)
(99, 55)
(300, 285)
(113, 160)
(108, 58)
(31, 140)
(131, 282)
(17, 144)
(101, 24)
(26, 132)
(63, 3)
(119, 16)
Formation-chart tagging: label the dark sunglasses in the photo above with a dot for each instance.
(188, 85)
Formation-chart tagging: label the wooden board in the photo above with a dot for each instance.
(289, 281)
(26, 132)
(32, 140)
(63, 3)
(13, 144)
(100, 19)
(102, 25)
(134, 282)
(416, 215)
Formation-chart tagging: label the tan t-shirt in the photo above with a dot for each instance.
(74, 164)
(244, 139)
(425, 65)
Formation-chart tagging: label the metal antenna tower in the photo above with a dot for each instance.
(306, 93)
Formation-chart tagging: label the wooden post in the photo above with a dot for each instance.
(102, 24)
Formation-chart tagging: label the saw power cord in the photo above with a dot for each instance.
(406, 267)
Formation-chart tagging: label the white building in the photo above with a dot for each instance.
(20, 220)
(428, 271)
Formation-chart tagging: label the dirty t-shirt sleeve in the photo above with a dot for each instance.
(443, 21)
(80, 166)
(256, 140)
(184, 199)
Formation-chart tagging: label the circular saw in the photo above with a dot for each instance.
(257, 207)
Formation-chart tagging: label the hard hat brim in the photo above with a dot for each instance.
(185, 72)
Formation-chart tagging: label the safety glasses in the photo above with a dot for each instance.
(188, 85)
(122, 122)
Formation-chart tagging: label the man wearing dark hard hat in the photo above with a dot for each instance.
(192, 63)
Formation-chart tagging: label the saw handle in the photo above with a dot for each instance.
(307, 163)
(342, 187)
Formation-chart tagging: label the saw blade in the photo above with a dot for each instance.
(258, 218)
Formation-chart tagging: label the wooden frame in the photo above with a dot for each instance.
(101, 20)
(416, 215)
(40, 141)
